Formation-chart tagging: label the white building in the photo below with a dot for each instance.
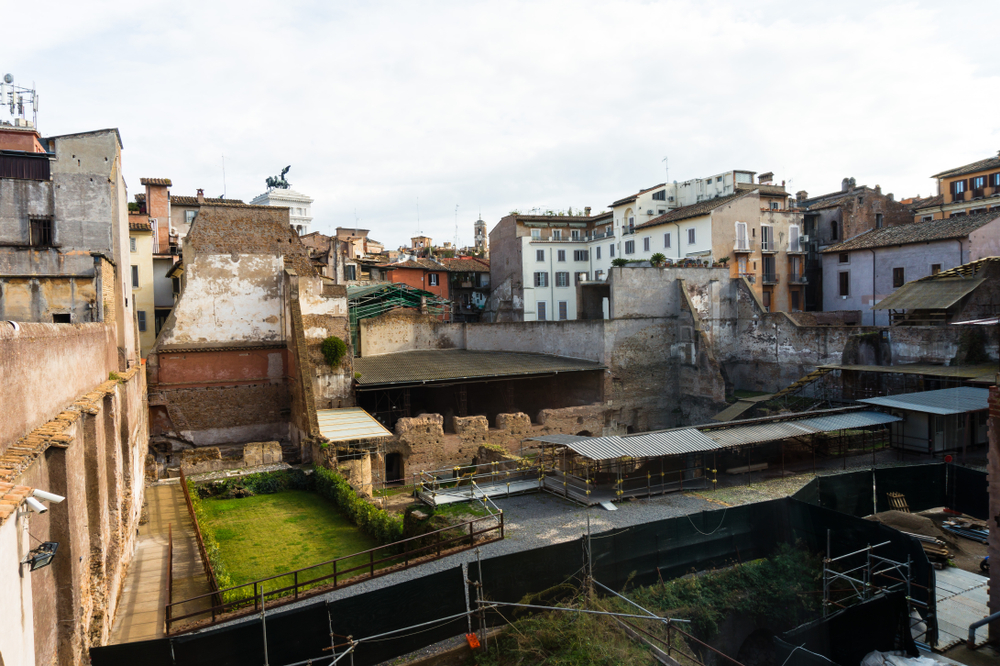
(299, 206)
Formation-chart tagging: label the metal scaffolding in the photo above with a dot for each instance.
(374, 300)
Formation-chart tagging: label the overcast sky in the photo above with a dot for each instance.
(498, 105)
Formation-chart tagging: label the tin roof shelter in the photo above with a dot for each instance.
(937, 421)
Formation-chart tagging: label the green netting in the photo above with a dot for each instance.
(365, 302)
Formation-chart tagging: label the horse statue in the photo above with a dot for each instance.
(278, 181)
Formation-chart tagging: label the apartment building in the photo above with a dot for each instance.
(140, 238)
(965, 190)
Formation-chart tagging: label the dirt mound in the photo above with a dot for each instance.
(914, 524)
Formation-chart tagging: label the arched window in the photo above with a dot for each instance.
(833, 230)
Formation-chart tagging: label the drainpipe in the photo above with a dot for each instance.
(677, 224)
(975, 625)
(873, 286)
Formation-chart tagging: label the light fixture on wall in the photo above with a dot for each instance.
(41, 557)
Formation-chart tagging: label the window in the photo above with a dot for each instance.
(432, 279)
(135, 277)
(845, 283)
(935, 269)
(660, 211)
(540, 309)
(561, 255)
(666, 240)
(562, 279)
(62, 318)
(691, 236)
(995, 180)
(878, 220)
(645, 244)
(979, 182)
(141, 314)
(536, 234)
(189, 216)
(795, 300)
(575, 234)
(843, 258)
(774, 205)
(556, 234)
(631, 224)
(718, 179)
(581, 277)
(539, 255)
(541, 279)
(927, 218)
(598, 251)
(611, 250)
(833, 230)
(766, 299)
(598, 275)
(767, 238)
(660, 196)
(742, 242)
(563, 310)
(351, 271)
(897, 277)
(40, 232)
(630, 247)
(581, 255)
(131, 244)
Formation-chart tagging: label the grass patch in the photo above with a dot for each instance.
(266, 535)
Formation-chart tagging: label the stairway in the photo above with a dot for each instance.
(802, 381)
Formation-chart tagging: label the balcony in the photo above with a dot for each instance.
(768, 247)
(979, 193)
(796, 247)
(770, 278)
(958, 196)
(797, 279)
(745, 245)
(750, 277)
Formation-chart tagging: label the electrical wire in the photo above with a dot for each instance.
(713, 531)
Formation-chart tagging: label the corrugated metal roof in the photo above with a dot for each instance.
(341, 425)
(668, 443)
(946, 401)
(847, 421)
(557, 439)
(755, 434)
(417, 367)
(931, 295)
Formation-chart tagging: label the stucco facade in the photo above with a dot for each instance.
(144, 286)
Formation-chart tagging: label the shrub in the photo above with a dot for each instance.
(262, 483)
(658, 259)
(620, 261)
(333, 349)
(222, 577)
(373, 521)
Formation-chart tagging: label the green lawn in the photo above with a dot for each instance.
(266, 535)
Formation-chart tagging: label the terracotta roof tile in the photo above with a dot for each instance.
(981, 165)
(155, 181)
(466, 264)
(191, 201)
(918, 232)
(635, 196)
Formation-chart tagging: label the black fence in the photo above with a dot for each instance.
(925, 487)
(638, 555)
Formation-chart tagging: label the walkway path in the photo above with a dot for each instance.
(141, 610)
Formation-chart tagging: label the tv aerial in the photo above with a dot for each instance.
(19, 101)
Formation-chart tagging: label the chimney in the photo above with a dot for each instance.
(586, 211)
(801, 195)
(878, 189)
(845, 185)
(201, 196)
(765, 178)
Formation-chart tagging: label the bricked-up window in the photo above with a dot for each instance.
(433, 279)
(897, 277)
(562, 279)
(845, 283)
(539, 255)
(581, 255)
(541, 279)
(563, 310)
(141, 314)
(135, 277)
(540, 307)
(629, 247)
(41, 232)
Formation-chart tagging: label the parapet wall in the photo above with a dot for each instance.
(45, 367)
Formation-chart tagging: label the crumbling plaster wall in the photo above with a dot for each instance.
(43, 367)
(324, 314)
(93, 454)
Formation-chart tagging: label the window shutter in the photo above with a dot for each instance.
(952, 185)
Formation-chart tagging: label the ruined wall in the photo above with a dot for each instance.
(407, 330)
(93, 454)
(324, 314)
(44, 367)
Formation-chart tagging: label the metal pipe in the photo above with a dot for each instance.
(581, 610)
(975, 625)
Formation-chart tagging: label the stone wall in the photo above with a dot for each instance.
(993, 479)
(44, 367)
(92, 453)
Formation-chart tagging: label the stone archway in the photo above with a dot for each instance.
(584, 433)
(393, 467)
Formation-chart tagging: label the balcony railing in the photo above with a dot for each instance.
(797, 279)
(958, 196)
(769, 246)
(770, 278)
(979, 193)
(745, 245)
(796, 247)
(750, 277)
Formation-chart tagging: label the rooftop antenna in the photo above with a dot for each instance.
(666, 166)
(17, 98)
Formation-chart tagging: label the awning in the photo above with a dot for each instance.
(423, 367)
(957, 400)
(349, 423)
(928, 295)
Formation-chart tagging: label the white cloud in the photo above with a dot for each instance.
(516, 104)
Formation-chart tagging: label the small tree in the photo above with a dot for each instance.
(658, 259)
(333, 349)
(620, 261)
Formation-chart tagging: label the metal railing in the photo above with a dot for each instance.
(797, 247)
(436, 480)
(245, 599)
(768, 246)
(209, 573)
(745, 245)
(797, 279)
(170, 572)
(770, 278)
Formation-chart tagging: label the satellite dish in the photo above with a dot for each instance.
(7, 78)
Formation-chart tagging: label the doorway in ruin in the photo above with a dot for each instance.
(584, 433)
(393, 468)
